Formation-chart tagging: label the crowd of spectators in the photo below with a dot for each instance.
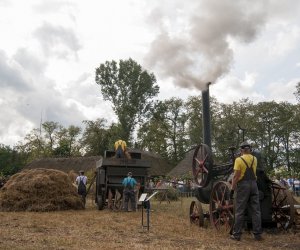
(184, 186)
(291, 183)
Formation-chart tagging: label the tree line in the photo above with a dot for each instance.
(169, 127)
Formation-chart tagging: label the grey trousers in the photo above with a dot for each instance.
(247, 194)
(129, 197)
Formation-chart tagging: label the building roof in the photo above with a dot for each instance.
(184, 167)
(159, 167)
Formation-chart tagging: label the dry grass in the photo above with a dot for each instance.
(93, 229)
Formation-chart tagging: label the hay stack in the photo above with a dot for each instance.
(39, 190)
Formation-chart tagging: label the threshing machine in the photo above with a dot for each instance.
(109, 176)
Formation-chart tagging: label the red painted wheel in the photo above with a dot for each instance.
(221, 207)
(202, 165)
(283, 210)
(196, 214)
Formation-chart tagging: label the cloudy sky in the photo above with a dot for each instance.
(49, 51)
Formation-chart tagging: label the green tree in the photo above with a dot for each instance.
(194, 121)
(130, 89)
(96, 137)
(176, 117)
(50, 140)
(152, 133)
(165, 131)
(10, 161)
(33, 145)
(68, 142)
(49, 128)
(288, 131)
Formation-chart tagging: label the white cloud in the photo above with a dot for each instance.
(230, 89)
(287, 39)
(50, 49)
(57, 40)
(283, 91)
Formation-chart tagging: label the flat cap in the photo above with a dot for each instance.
(245, 144)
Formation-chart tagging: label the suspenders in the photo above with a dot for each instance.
(249, 173)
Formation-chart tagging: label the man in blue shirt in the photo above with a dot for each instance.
(129, 184)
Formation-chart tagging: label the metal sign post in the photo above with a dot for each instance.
(146, 205)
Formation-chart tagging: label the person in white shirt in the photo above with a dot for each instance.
(81, 182)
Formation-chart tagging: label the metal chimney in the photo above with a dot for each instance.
(206, 116)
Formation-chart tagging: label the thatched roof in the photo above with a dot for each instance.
(66, 164)
(183, 168)
(159, 167)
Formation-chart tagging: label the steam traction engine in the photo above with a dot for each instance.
(214, 185)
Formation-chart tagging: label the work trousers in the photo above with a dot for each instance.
(247, 194)
(129, 196)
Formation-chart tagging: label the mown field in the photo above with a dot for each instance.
(93, 229)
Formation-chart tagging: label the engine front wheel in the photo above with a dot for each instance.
(196, 214)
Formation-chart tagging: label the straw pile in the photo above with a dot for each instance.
(39, 190)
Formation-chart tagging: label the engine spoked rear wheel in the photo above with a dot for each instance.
(283, 210)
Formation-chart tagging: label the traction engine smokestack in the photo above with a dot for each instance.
(206, 116)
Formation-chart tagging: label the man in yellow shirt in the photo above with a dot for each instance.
(121, 149)
(245, 186)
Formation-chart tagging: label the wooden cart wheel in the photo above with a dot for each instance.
(202, 164)
(118, 200)
(196, 214)
(283, 210)
(221, 207)
(100, 203)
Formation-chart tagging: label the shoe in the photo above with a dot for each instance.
(232, 237)
(258, 237)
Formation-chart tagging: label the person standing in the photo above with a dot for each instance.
(129, 184)
(297, 186)
(81, 182)
(245, 186)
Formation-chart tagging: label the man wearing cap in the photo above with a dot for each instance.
(245, 186)
(129, 184)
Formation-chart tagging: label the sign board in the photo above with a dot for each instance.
(143, 197)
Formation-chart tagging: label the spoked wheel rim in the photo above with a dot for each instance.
(202, 164)
(221, 207)
(196, 214)
(283, 210)
(118, 200)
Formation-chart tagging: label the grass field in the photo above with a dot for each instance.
(93, 229)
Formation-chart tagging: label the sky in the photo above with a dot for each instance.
(49, 51)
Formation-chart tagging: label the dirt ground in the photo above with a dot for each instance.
(93, 229)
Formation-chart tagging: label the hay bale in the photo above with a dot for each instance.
(39, 190)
